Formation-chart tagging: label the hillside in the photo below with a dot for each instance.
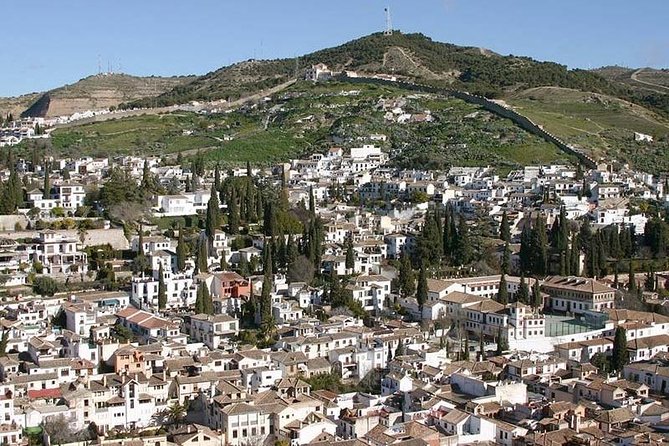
(308, 118)
(601, 124)
(409, 56)
(91, 93)
(647, 80)
(17, 105)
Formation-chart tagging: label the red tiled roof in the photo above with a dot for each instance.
(44, 393)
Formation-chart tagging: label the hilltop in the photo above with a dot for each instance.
(91, 93)
(597, 111)
(408, 56)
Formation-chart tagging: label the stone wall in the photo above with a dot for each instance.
(520, 120)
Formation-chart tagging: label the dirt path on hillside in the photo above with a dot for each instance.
(635, 77)
(173, 108)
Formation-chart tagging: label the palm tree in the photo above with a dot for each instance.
(175, 413)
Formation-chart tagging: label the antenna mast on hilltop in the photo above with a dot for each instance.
(389, 23)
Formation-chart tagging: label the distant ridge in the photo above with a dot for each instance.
(96, 92)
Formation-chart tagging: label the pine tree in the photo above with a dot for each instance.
(503, 293)
(504, 229)
(350, 256)
(421, 289)
(162, 289)
(619, 356)
(406, 276)
(181, 251)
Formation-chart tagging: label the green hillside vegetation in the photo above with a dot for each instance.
(412, 56)
(602, 125)
(308, 118)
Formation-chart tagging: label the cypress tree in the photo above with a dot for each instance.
(463, 251)
(213, 216)
(421, 289)
(406, 276)
(233, 212)
(631, 279)
(523, 291)
(649, 283)
(146, 177)
(619, 355)
(140, 241)
(312, 203)
(207, 300)
(249, 172)
(526, 249)
(540, 246)
(291, 250)
(537, 300)
(269, 219)
(399, 351)
(504, 229)
(266, 296)
(506, 259)
(181, 251)
(350, 256)
(199, 299)
(162, 290)
(217, 178)
(503, 293)
(47, 185)
(575, 257)
(502, 343)
(446, 235)
(202, 260)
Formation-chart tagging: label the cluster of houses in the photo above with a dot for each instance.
(431, 373)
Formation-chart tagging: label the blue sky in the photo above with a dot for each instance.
(50, 43)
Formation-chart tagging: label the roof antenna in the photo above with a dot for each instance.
(389, 23)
